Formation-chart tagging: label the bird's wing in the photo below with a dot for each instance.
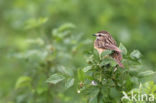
(112, 47)
(110, 44)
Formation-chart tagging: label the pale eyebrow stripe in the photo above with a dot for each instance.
(102, 34)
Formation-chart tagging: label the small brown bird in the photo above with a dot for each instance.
(104, 41)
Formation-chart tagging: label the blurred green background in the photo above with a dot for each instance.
(37, 25)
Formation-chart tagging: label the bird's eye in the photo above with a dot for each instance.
(99, 34)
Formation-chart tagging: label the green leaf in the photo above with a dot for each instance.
(66, 26)
(96, 55)
(87, 68)
(135, 54)
(37, 41)
(41, 90)
(90, 59)
(93, 100)
(106, 52)
(33, 22)
(104, 62)
(114, 93)
(69, 82)
(81, 75)
(55, 78)
(23, 82)
(146, 73)
(64, 70)
(93, 95)
(123, 49)
(107, 61)
(134, 80)
(113, 63)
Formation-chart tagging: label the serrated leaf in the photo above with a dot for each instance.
(87, 68)
(69, 82)
(123, 49)
(23, 82)
(135, 54)
(55, 78)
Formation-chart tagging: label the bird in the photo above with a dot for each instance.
(104, 41)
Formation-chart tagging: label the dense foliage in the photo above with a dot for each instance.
(47, 54)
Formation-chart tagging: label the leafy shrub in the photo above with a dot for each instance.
(102, 81)
(52, 71)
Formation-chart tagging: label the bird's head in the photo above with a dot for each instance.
(101, 35)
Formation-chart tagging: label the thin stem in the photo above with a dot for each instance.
(100, 75)
(99, 96)
(100, 84)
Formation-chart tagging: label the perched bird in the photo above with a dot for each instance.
(104, 41)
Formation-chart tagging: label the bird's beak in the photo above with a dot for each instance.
(94, 34)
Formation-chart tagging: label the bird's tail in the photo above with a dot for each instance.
(118, 58)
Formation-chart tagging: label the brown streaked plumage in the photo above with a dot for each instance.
(104, 41)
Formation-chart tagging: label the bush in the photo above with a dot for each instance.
(102, 81)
